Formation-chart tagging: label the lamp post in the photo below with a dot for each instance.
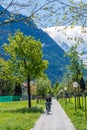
(75, 85)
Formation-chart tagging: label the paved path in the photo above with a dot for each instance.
(56, 120)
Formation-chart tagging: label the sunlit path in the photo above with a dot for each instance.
(56, 120)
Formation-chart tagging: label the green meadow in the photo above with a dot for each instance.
(17, 115)
(78, 116)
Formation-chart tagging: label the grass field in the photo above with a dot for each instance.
(77, 116)
(17, 116)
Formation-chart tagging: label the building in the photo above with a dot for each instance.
(25, 90)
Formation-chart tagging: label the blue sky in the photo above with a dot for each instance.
(45, 17)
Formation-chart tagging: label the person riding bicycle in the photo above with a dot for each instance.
(48, 102)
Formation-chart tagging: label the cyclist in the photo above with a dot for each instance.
(48, 102)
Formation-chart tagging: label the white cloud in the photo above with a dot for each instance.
(67, 34)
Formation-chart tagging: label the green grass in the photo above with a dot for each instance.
(77, 117)
(17, 116)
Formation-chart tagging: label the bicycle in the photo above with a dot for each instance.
(48, 107)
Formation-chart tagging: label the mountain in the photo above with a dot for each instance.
(64, 46)
(51, 50)
(65, 37)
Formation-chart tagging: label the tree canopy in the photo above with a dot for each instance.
(25, 54)
(43, 86)
(76, 66)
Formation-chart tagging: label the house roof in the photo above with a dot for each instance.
(25, 84)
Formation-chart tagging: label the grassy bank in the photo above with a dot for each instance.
(16, 115)
(77, 116)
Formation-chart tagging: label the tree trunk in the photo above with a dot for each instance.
(78, 95)
(29, 93)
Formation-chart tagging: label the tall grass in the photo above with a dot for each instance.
(77, 116)
(16, 115)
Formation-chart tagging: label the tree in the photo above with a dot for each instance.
(43, 86)
(6, 77)
(76, 66)
(82, 84)
(33, 89)
(17, 89)
(55, 87)
(26, 56)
